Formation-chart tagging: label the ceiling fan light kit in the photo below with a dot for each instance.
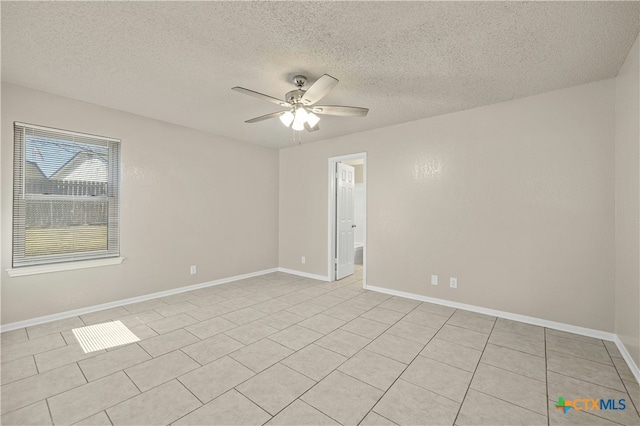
(287, 118)
(302, 111)
(312, 119)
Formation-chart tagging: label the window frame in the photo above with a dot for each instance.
(26, 265)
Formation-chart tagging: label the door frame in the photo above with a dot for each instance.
(331, 249)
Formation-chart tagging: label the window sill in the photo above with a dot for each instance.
(68, 266)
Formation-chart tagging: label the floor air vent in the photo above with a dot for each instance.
(103, 336)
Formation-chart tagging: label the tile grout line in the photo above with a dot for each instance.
(134, 384)
(67, 344)
(591, 383)
(66, 390)
(349, 357)
(446, 363)
(410, 362)
(188, 356)
(130, 379)
(318, 381)
(573, 339)
(177, 378)
(515, 350)
(509, 402)
(87, 382)
(546, 374)
(108, 416)
(22, 378)
(145, 351)
(474, 371)
(511, 371)
(624, 383)
(33, 357)
(82, 371)
(50, 396)
(582, 357)
(127, 399)
(299, 396)
(208, 402)
(546, 386)
(235, 388)
(633, 404)
(46, 401)
(105, 412)
(311, 343)
(302, 401)
(43, 352)
(202, 404)
(377, 414)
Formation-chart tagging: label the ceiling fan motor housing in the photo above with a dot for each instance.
(294, 96)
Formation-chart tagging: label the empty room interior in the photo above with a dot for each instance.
(320, 213)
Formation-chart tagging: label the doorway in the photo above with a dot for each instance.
(347, 212)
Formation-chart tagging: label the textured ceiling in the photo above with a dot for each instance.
(177, 61)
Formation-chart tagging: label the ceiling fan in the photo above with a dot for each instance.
(301, 112)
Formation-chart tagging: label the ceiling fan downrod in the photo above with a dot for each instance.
(295, 96)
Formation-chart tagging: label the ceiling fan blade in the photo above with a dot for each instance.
(311, 129)
(319, 89)
(266, 117)
(261, 96)
(344, 111)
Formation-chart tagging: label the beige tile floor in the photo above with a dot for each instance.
(284, 350)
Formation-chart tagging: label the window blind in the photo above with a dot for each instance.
(65, 196)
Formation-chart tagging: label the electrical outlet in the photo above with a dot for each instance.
(434, 280)
(194, 270)
(453, 282)
(303, 260)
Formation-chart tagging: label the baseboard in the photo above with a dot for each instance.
(304, 274)
(502, 314)
(507, 315)
(589, 332)
(122, 302)
(627, 357)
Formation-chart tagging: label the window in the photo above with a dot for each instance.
(65, 196)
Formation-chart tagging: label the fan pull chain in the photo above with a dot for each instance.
(299, 137)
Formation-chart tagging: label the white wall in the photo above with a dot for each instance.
(514, 199)
(627, 190)
(188, 198)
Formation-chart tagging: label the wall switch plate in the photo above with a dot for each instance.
(303, 260)
(453, 282)
(434, 280)
(194, 270)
